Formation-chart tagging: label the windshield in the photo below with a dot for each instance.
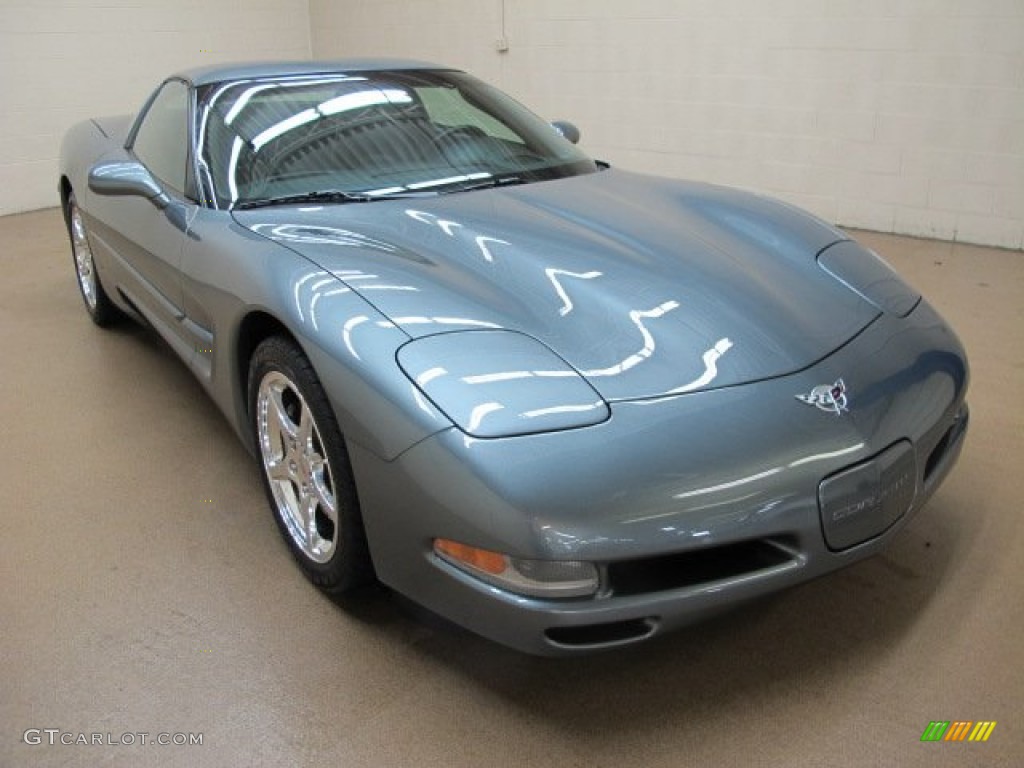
(369, 135)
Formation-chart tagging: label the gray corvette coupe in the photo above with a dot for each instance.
(566, 406)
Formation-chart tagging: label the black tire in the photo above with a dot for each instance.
(304, 467)
(97, 303)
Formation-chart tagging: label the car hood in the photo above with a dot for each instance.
(646, 286)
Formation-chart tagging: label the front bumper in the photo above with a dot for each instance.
(688, 504)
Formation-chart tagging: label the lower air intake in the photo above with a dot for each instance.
(690, 569)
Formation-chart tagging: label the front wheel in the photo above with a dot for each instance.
(97, 303)
(306, 471)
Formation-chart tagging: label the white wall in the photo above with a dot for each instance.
(896, 115)
(64, 61)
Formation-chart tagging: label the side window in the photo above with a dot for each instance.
(162, 139)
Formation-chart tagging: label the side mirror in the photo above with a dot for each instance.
(126, 178)
(569, 131)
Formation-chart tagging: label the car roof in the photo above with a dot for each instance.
(259, 69)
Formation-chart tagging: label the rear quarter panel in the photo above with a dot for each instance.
(84, 144)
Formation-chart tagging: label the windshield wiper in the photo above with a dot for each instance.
(326, 196)
(321, 196)
(506, 180)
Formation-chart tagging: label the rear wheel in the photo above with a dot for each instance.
(97, 303)
(306, 471)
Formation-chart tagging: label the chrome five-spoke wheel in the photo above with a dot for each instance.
(298, 472)
(101, 309)
(306, 469)
(83, 257)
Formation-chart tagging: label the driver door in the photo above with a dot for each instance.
(147, 239)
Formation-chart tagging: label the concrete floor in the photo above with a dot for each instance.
(145, 589)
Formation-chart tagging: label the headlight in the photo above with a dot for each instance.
(536, 578)
(865, 272)
(500, 383)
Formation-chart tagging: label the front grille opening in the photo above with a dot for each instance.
(689, 569)
(612, 633)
